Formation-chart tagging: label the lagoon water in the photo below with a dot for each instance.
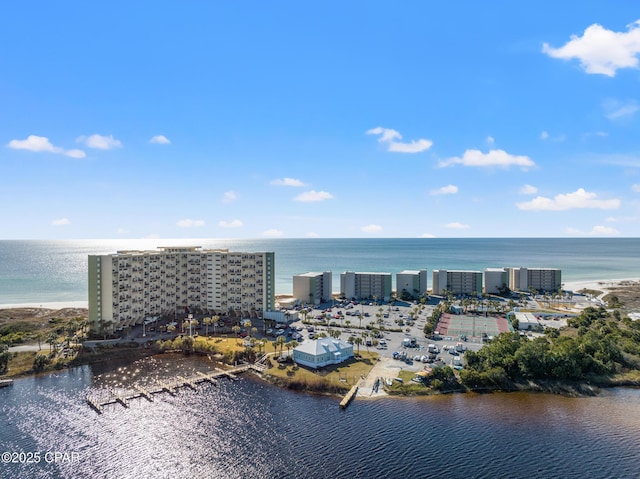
(249, 429)
(56, 271)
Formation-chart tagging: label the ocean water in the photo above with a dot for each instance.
(250, 429)
(52, 271)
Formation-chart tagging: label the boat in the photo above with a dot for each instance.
(5, 382)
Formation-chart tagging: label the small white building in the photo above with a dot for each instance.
(527, 321)
(322, 352)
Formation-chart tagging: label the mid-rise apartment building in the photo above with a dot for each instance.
(314, 288)
(365, 285)
(411, 283)
(495, 279)
(540, 279)
(129, 286)
(456, 282)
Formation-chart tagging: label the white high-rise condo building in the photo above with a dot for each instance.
(456, 282)
(129, 286)
(365, 285)
(314, 288)
(411, 283)
(540, 279)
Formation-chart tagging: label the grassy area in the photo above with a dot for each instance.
(20, 364)
(335, 378)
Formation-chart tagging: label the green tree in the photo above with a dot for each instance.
(236, 330)
(358, 342)
(5, 355)
(206, 321)
(40, 362)
(215, 321)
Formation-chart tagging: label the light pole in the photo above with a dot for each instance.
(190, 322)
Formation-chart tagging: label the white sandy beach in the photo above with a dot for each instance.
(600, 284)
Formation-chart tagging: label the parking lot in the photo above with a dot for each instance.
(351, 320)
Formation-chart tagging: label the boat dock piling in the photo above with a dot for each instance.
(144, 393)
(349, 397)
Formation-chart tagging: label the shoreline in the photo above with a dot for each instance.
(595, 284)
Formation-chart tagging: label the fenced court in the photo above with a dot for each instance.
(473, 326)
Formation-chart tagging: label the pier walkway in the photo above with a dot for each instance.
(171, 387)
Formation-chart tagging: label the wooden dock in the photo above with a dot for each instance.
(170, 388)
(349, 397)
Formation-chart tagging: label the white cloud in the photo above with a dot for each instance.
(490, 140)
(456, 225)
(445, 190)
(427, 235)
(492, 158)
(413, 147)
(544, 135)
(603, 230)
(636, 188)
(42, 143)
(100, 142)
(75, 153)
(272, 232)
(312, 234)
(616, 110)
(121, 231)
(229, 197)
(371, 228)
(288, 182)
(61, 222)
(389, 136)
(160, 140)
(311, 196)
(230, 224)
(601, 51)
(34, 143)
(528, 190)
(578, 199)
(187, 223)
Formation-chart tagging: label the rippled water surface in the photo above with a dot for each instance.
(247, 428)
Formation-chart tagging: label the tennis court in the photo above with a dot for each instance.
(457, 325)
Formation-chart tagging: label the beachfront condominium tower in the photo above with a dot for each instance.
(314, 288)
(456, 282)
(540, 279)
(375, 286)
(129, 286)
(411, 284)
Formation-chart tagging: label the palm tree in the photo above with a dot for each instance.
(236, 330)
(358, 341)
(280, 341)
(247, 325)
(206, 321)
(215, 320)
(171, 328)
(52, 339)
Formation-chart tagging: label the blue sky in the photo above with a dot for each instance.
(319, 119)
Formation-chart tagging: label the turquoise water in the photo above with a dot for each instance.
(48, 271)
